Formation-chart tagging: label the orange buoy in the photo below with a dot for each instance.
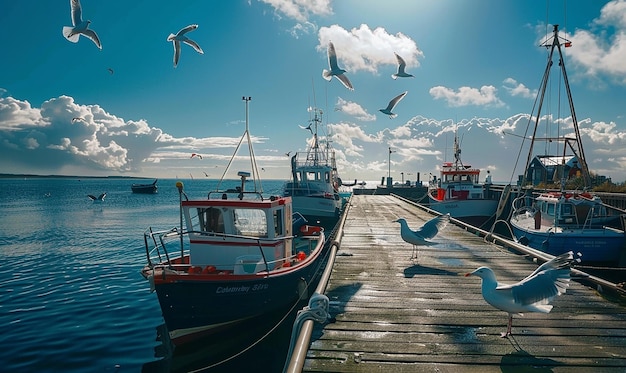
(194, 269)
(209, 269)
(301, 255)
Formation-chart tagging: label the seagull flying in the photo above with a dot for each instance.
(196, 155)
(334, 69)
(401, 67)
(100, 198)
(76, 119)
(79, 27)
(180, 37)
(421, 236)
(393, 104)
(532, 294)
(306, 128)
(111, 71)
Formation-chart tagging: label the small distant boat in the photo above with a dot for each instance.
(558, 220)
(460, 193)
(315, 182)
(240, 258)
(145, 188)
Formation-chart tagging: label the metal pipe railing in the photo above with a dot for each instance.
(297, 358)
(489, 237)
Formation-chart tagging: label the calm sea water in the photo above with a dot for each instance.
(71, 295)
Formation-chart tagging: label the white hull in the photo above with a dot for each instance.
(316, 206)
(472, 211)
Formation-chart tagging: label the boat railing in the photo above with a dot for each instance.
(159, 252)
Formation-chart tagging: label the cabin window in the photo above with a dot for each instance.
(250, 222)
(278, 223)
(209, 220)
(312, 176)
(551, 209)
(327, 177)
(566, 210)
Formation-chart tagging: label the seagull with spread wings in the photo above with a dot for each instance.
(334, 69)
(532, 294)
(392, 104)
(422, 235)
(79, 27)
(401, 66)
(181, 38)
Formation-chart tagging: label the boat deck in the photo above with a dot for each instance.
(395, 314)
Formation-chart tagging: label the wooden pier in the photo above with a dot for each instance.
(395, 314)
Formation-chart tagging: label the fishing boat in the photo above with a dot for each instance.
(149, 188)
(556, 220)
(236, 257)
(460, 193)
(315, 182)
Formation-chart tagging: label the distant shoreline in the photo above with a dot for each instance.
(32, 176)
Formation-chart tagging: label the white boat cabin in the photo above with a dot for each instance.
(224, 232)
(458, 183)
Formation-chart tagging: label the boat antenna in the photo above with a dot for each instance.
(246, 135)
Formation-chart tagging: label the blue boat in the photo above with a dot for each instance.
(560, 219)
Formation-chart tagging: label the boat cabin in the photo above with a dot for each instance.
(571, 210)
(226, 231)
(458, 183)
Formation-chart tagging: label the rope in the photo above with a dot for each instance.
(317, 310)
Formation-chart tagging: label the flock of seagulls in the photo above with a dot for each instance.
(80, 27)
(532, 294)
(339, 73)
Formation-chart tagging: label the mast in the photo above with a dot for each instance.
(255, 171)
(576, 147)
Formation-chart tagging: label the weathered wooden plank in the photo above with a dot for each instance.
(392, 313)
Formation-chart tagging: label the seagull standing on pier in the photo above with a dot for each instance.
(335, 70)
(423, 234)
(532, 294)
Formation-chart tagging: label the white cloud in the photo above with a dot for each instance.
(354, 109)
(46, 138)
(366, 49)
(301, 11)
(602, 53)
(518, 89)
(465, 96)
(18, 114)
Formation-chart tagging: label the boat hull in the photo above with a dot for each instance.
(599, 245)
(150, 189)
(317, 206)
(471, 211)
(196, 306)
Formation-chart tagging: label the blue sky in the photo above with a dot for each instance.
(477, 66)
